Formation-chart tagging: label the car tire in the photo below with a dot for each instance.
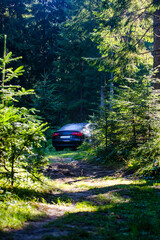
(74, 148)
(58, 148)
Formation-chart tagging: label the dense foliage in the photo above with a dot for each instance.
(52, 37)
(79, 83)
(21, 132)
(128, 126)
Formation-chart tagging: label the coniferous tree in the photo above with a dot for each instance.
(56, 51)
(79, 82)
(21, 132)
(156, 31)
(32, 28)
(130, 116)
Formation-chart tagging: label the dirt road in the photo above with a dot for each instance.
(79, 181)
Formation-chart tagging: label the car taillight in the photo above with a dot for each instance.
(79, 134)
(55, 134)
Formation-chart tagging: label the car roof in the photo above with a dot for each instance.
(73, 127)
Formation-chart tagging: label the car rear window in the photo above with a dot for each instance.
(73, 127)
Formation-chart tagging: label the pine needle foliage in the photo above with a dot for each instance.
(21, 132)
(47, 93)
(128, 125)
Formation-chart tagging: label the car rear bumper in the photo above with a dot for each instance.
(67, 143)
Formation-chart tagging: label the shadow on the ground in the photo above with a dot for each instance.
(116, 212)
(121, 211)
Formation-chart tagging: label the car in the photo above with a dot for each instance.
(71, 135)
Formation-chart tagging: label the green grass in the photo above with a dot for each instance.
(52, 154)
(15, 213)
(103, 208)
(16, 210)
(120, 210)
(67, 153)
(19, 205)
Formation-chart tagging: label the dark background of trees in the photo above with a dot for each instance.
(53, 37)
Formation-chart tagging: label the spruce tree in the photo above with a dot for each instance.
(21, 132)
(129, 120)
(78, 82)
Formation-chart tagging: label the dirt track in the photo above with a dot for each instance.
(66, 168)
(62, 171)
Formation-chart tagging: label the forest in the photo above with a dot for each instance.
(67, 61)
(70, 61)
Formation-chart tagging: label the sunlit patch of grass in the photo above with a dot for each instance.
(86, 184)
(85, 206)
(64, 200)
(103, 182)
(107, 198)
(119, 210)
(64, 187)
(25, 180)
(18, 205)
(101, 201)
(65, 155)
(15, 213)
(62, 154)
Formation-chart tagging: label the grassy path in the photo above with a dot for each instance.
(91, 203)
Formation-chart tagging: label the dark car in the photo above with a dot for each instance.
(71, 135)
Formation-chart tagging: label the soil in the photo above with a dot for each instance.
(62, 171)
(66, 168)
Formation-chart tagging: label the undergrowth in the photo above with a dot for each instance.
(19, 204)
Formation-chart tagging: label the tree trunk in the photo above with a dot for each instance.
(156, 29)
(102, 98)
(12, 172)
